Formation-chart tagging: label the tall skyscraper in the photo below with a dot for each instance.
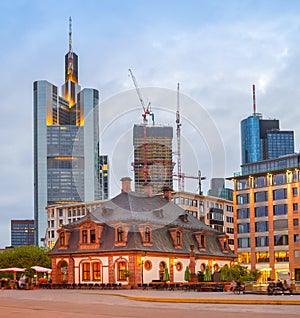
(262, 139)
(152, 157)
(66, 143)
(103, 177)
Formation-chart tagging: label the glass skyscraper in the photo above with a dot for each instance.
(261, 139)
(66, 143)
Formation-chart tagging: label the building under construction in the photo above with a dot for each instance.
(152, 157)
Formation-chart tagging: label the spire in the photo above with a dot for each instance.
(70, 53)
(70, 34)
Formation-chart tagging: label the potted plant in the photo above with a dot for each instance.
(126, 273)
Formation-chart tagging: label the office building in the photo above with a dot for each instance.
(103, 177)
(152, 157)
(266, 217)
(261, 139)
(22, 232)
(66, 143)
(217, 189)
(214, 211)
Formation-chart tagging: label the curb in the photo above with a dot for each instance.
(208, 300)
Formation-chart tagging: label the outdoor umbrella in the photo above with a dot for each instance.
(166, 276)
(187, 274)
(207, 275)
(13, 270)
(40, 269)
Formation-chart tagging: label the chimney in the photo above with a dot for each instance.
(167, 193)
(126, 185)
(148, 190)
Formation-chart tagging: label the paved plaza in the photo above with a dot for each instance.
(143, 303)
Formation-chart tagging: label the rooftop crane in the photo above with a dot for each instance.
(146, 112)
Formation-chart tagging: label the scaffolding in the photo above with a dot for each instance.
(153, 157)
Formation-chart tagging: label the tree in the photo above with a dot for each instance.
(239, 273)
(24, 257)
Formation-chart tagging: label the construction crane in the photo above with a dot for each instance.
(146, 112)
(178, 125)
(181, 176)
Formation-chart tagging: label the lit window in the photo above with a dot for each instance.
(121, 270)
(96, 271)
(86, 271)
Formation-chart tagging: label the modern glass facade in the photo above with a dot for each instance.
(22, 232)
(261, 139)
(66, 144)
(250, 139)
(103, 175)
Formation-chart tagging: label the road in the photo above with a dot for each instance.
(79, 304)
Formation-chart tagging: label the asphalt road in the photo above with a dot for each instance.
(78, 304)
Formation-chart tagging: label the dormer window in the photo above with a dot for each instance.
(120, 234)
(92, 236)
(62, 238)
(176, 234)
(178, 238)
(147, 235)
(201, 240)
(84, 236)
(223, 239)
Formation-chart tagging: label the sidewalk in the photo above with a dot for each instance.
(201, 297)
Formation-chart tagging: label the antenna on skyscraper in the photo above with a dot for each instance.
(70, 34)
(254, 101)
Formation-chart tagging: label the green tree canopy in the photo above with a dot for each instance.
(25, 257)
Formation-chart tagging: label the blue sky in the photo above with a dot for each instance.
(215, 49)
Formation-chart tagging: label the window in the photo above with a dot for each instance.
(92, 236)
(281, 256)
(281, 240)
(280, 209)
(229, 230)
(295, 192)
(62, 239)
(295, 222)
(229, 219)
(178, 238)
(229, 208)
(279, 178)
(262, 241)
(243, 213)
(84, 236)
(202, 240)
(244, 242)
(296, 253)
(96, 271)
(243, 198)
(241, 184)
(262, 257)
(261, 226)
(244, 228)
(281, 224)
(295, 206)
(120, 234)
(121, 267)
(147, 235)
(261, 196)
(261, 211)
(260, 182)
(244, 257)
(179, 266)
(296, 238)
(86, 271)
(279, 194)
(148, 265)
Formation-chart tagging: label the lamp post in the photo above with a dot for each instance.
(143, 259)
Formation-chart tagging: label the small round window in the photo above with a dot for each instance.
(148, 265)
(179, 266)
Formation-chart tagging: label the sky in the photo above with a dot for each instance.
(215, 49)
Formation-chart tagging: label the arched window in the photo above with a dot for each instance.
(62, 239)
(120, 234)
(121, 267)
(178, 238)
(147, 235)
